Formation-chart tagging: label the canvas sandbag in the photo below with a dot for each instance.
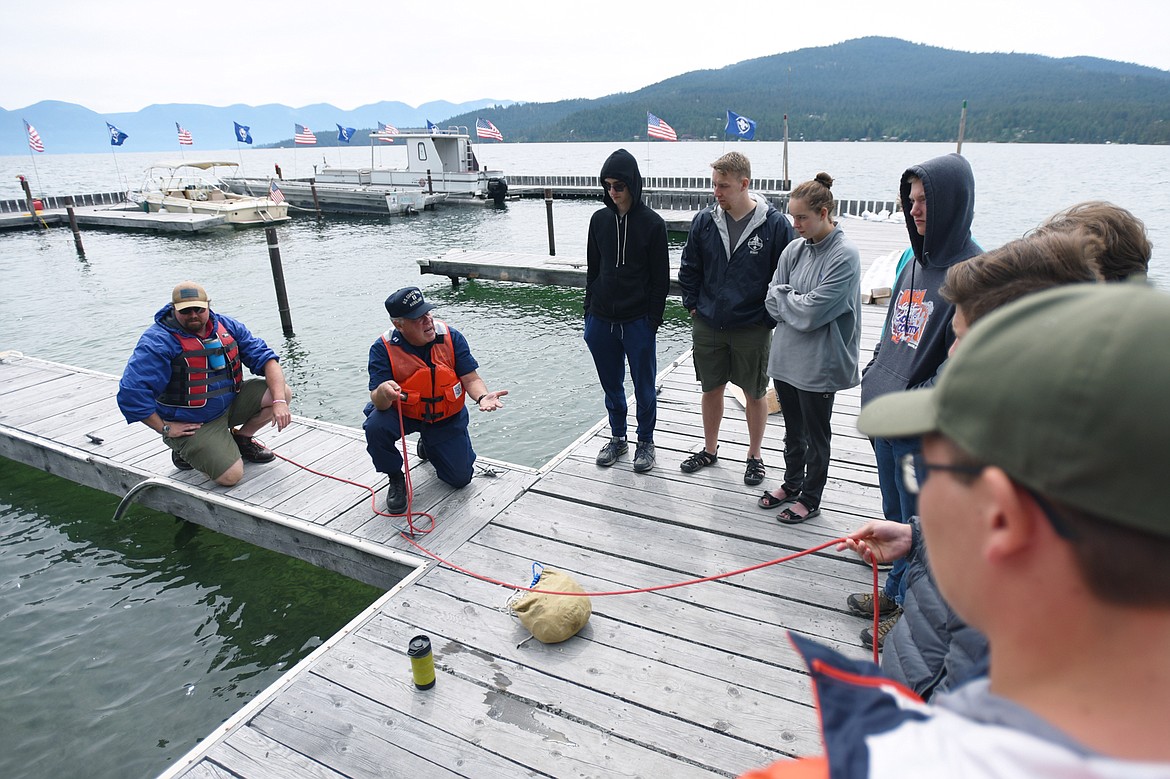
(553, 618)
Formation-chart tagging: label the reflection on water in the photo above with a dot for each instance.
(122, 645)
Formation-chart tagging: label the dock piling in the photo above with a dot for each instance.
(316, 202)
(278, 281)
(73, 226)
(552, 243)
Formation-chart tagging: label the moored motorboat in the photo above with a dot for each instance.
(440, 165)
(195, 188)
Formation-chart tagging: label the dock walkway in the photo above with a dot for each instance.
(698, 681)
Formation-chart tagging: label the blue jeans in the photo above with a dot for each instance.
(898, 505)
(448, 444)
(612, 344)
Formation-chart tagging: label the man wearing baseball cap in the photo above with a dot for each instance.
(185, 381)
(1040, 483)
(424, 369)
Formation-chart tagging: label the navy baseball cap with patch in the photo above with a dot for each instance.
(189, 294)
(407, 303)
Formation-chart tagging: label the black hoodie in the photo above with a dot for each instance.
(628, 273)
(917, 335)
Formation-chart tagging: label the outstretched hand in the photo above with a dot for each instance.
(491, 401)
(879, 541)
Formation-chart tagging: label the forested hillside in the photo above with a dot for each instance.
(875, 89)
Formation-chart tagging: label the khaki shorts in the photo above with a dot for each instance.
(738, 356)
(212, 450)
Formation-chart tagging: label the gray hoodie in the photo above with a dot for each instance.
(815, 298)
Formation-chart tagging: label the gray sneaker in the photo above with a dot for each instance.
(612, 451)
(643, 456)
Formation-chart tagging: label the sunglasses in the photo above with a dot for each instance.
(192, 310)
(616, 186)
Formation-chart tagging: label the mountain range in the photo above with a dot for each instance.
(864, 89)
(71, 128)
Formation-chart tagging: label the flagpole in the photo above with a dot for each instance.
(117, 170)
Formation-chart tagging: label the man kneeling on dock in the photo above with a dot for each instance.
(185, 381)
(423, 368)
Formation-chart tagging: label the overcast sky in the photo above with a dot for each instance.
(127, 54)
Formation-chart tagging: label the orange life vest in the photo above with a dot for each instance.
(192, 374)
(433, 392)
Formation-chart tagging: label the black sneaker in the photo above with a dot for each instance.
(610, 453)
(396, 494)
(252, 451)
(643, 456)
(179, 462)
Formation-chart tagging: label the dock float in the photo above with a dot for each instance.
(698, 681)
(114, 217)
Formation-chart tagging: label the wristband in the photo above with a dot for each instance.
(285, 402)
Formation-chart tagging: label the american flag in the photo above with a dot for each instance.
(304, 136)
(274, 193)
(656, 128)
(388, 129)
(184, 136)
(485, 129)
(34, 140)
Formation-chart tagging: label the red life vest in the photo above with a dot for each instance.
(433, 392)
(192, 375)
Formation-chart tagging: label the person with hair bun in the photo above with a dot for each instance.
(815, 298)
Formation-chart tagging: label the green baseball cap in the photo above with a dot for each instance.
(1067, 390)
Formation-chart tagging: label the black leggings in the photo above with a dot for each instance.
(806, 441)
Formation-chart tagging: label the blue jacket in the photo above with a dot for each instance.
(149, 369)
(729, 293)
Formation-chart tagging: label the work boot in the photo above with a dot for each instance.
(179, 462)
(610, 453)
(643, 456)
(861, 604)
(396, 494)
(252, 451)
(884, 628)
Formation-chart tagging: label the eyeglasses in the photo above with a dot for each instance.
(616, 186)
(913, 463)
(192, 310)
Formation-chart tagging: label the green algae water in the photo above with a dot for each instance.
(122, 645)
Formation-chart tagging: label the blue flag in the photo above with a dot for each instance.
(116, 135)
(243, 134)
(740, 125)
(432, 127)
(344, 133)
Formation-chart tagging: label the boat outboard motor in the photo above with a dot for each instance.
(497, 189)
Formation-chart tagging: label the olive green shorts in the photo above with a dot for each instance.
(212, 450)
(738, 356)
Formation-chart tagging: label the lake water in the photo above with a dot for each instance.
(104, 629)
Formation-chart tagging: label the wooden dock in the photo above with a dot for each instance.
(694, 681)
(698, 681)
(118, 217)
